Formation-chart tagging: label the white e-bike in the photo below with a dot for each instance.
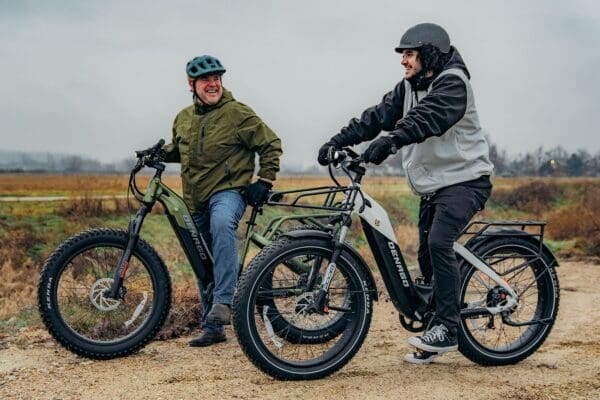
(509, 287)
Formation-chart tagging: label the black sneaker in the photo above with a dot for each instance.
(220, 314)
(421, 357)
(208, 338)
(436, 340)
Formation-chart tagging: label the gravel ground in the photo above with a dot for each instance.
(32, 366)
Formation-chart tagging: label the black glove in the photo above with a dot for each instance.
(161, 154)
(256, 193)
(323, 157)
(379, 150)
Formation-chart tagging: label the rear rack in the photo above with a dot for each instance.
(482, 228)
(299, 195)
(529, 229)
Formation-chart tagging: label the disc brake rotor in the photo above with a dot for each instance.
(97, 297)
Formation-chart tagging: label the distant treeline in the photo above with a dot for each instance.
(12, 161)
(540, 162)
(553, 162)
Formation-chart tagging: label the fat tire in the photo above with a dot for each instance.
(551, 291)
(295, 335)
(265, 361)
(47, 287)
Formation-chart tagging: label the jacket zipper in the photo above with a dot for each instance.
(202, 140)
(228, 173)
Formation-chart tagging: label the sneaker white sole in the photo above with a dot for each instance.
(410, 357)
(415, 341)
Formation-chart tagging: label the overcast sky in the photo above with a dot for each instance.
(102, 78)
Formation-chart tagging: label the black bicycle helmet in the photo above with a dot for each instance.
(422, 34)
(203, 66)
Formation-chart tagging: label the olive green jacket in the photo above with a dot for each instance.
(216, 146)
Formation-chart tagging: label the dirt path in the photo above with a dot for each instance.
(567, 365)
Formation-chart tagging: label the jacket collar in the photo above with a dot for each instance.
(420, 82)
(202, 109)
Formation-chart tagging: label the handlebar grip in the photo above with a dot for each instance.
(150, 150)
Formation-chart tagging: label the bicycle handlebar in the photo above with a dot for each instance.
(336, 157)
(151, 151)
(150, 157)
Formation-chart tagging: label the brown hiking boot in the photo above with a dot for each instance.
(220, 314)
(208, 338)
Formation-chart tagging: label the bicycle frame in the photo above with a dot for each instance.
(411, 301)
(394, 272)
(194, 246)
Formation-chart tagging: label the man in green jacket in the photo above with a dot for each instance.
(216, 139)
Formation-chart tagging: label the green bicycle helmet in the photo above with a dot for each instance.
(203, 66)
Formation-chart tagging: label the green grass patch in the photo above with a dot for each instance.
(558, 246)
(27, 317)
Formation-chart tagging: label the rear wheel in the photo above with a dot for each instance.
(277, 348)
(73, 304)
(492, 340)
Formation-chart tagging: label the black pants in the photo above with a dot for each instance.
(441, 219)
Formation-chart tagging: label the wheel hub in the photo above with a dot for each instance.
(312, 303)
(496, 296)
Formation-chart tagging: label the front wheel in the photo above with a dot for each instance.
(274, 346)
(510, 338)
(72, 301)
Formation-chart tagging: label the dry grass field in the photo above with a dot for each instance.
(30, 230)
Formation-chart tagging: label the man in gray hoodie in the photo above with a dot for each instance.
(431, 117)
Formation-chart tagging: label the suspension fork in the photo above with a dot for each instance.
(135, 226)
(338, 243)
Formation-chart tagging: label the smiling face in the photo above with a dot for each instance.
(411, 63)
(208, 88)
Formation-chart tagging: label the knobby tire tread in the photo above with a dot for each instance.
(52, 321)
(244, 285)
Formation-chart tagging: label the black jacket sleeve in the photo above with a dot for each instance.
(443, 107)
(374, 119)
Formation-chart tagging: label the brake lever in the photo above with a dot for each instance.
(138, 166)
(338, 157)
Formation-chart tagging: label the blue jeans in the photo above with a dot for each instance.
(218, 224)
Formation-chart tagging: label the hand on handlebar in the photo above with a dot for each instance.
(379, 150)
(149, 156)
(257, 193)
(326, 150)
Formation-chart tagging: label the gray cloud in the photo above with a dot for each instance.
(104, 78)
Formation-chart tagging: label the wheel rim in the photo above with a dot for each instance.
(313, 327)
(345, 292)
(491, 334)
(83, 306)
